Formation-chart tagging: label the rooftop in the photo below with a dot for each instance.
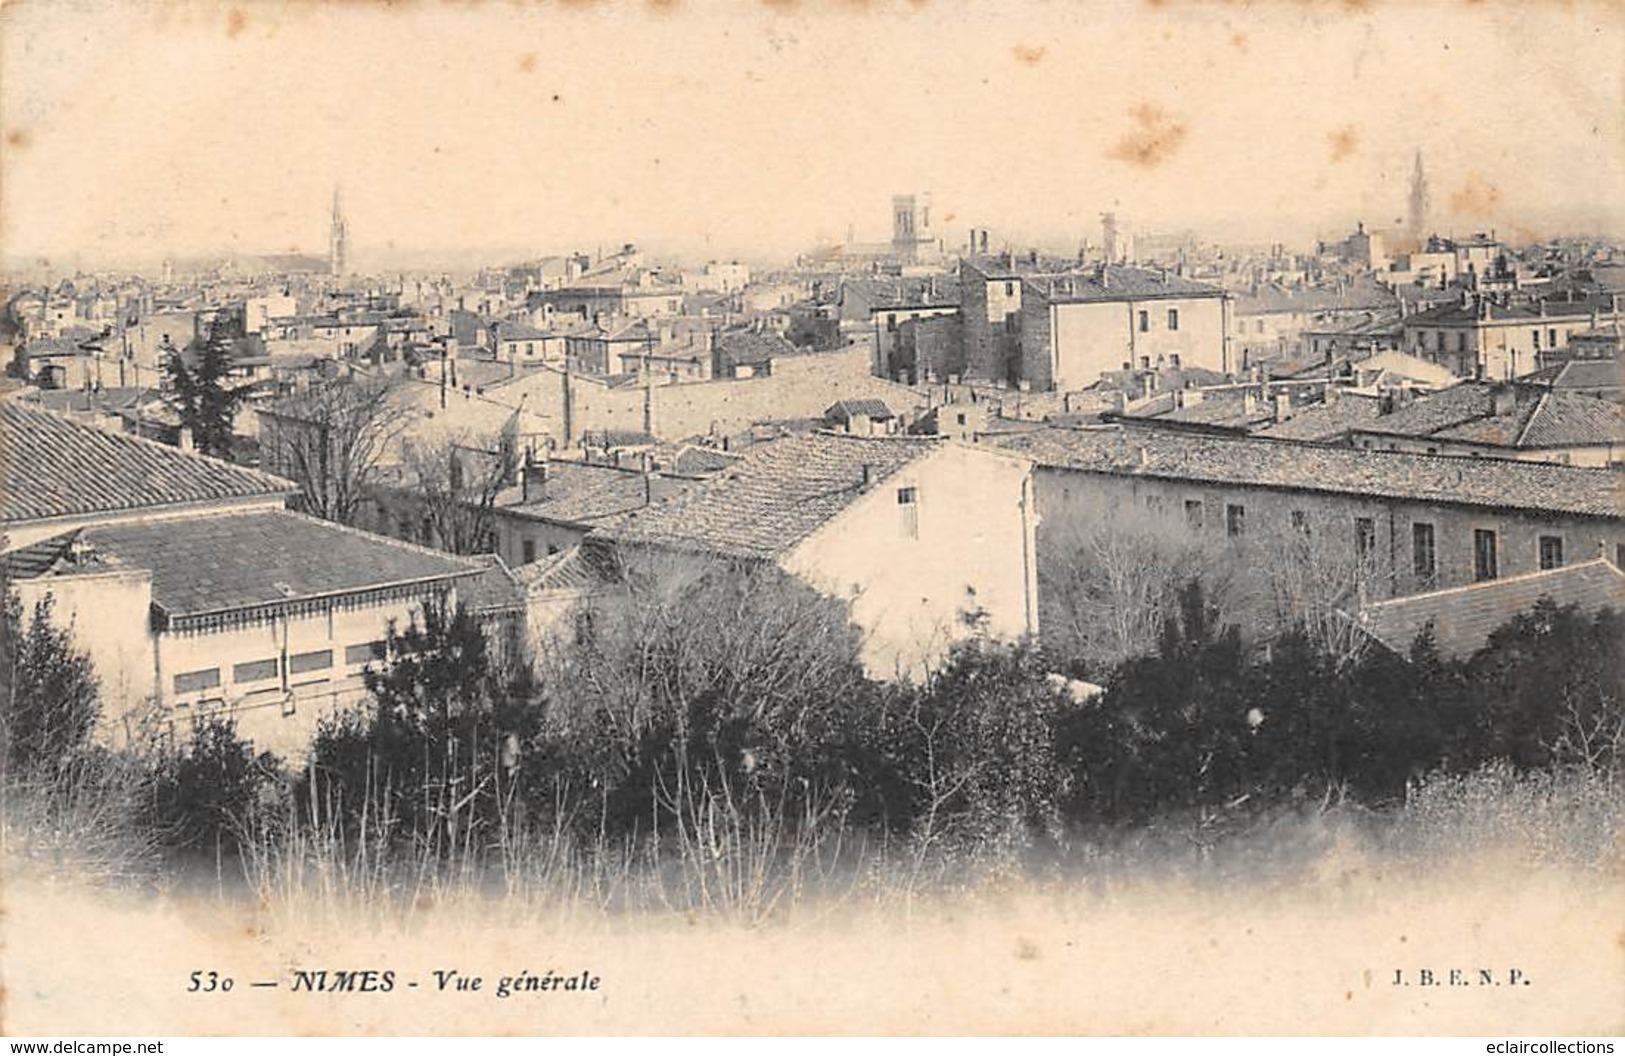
(238, 561)
(1524, 416)
(777, 495)
(1117, 282)
(54, 466)
(1326, 421)
(1464, 617)
(579, 493)
(1492, 483)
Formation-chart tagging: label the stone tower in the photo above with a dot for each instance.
(337, 240)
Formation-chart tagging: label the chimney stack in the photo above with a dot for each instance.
(1283, 406)
(185, 439)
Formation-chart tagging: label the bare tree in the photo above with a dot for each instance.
(333, 441)
(1312, 580)
(1108, 586)
(456, 477)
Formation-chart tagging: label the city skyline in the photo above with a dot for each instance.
(464, 135)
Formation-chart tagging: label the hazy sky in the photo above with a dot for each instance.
(133, 130)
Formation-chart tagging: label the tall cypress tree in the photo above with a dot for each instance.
(202, 395)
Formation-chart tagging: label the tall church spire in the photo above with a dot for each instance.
(1417, 219)
(338, 238)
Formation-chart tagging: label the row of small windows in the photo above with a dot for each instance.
(1145, 320)
(1424, 549)
(252, 671)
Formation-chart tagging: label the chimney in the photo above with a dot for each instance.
(1283, 406)
(1249, 402)
(185, 439)
(533, 478)
(1148, 385)
(868, 476)
(1142, 457)
(1506, 400)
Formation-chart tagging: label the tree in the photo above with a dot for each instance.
(456, 478)
(332, 441)
(431, 757)
(1109, 587)
(707, 688)
(51, 695)
(203, 396)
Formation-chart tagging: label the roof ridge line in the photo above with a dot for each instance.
(1520, 577)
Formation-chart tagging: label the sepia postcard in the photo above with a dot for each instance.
(807, 517)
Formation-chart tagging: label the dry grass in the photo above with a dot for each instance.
(1290, 923)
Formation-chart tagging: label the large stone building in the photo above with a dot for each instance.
(1408, 523)
(1073, 328)
(1062, 329)
(190, 587)
(928, 541)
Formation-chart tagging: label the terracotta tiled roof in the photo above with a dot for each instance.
(1588, 374)
(846, 410)
(1463, 618)
(496, 589)
(1493, 483)
(579, 493)
(778, 494)
(243, 560)
(1537, 417)
(1118, 283)
(1325, 422)
(736, 347)
(572, 569)
(52, 466)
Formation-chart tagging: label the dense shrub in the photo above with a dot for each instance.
(214, 793)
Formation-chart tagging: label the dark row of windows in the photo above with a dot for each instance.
(1424, 547)
(1145, 320)
(252, 671)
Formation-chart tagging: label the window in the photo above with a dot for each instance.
(1235, 520)
(908, 501)
(551, 549)
(255, 671)
(1153, 504)
(1145, 322)
(1173, 360)
(1551, 339)
(891, 321)
(197, 681)
(1173, 318)
(1534, 337)
(316, 661)
(530, 348)
(1484, 563)
(1422, 551)
(1009, 289)
(1193, 512)
(1365, 538)
(1300, 522)
(527, 551)
(365, 653)
(1551, 551)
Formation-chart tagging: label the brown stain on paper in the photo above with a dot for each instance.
(1477, 196)
(1152, 140)
(236, 21)
(1345, 141)
(1029, 54)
